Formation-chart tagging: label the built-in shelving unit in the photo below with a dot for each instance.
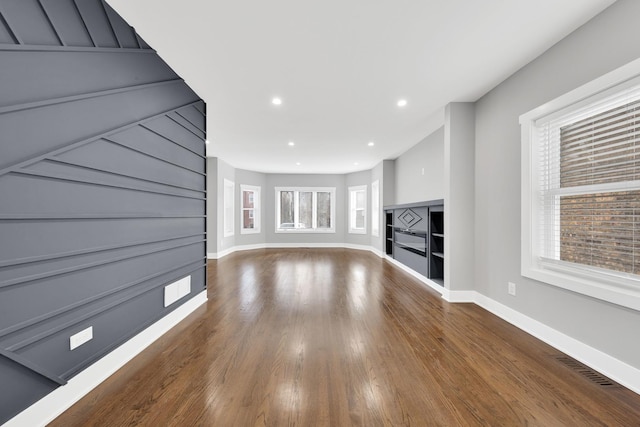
(389, 233)
(436, 246)
(414, 236)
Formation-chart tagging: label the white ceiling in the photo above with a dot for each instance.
(340, 66)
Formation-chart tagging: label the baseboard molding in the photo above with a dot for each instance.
(430, 283)
(459, 296)
(239, 248)
(613, 368)
(55, 403)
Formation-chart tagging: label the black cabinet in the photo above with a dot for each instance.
(414, 236)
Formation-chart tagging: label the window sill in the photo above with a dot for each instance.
(358, 231)
(612, 289)
(304, 231)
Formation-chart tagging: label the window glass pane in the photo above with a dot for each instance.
(324, 209)
(247, 218)
(600, 230)
(359, 199)
(359, 219)
(247, 199)
(306, 209)
(286, 209)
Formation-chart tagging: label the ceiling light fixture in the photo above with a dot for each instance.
(291, 143)
(402, 103)
(371, 144)
(276, 101)
(298, 163)
(356, 164)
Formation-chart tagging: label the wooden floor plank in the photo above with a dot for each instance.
(337, 337)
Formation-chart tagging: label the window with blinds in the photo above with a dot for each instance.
(589, 171)
(580, 181)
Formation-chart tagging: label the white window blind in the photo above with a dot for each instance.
(589, 181)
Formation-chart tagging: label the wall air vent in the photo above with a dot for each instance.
(585, 371)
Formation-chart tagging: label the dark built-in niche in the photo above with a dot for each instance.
(414, 236)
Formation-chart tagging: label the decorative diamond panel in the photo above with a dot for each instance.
(409, 218)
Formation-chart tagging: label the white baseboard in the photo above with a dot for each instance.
(229, 251)
(609, 366)
(55, 403)
(459, 296)
(430, 283)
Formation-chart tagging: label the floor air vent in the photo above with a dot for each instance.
(586, 372)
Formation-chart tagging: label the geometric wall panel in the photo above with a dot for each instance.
(102, 189)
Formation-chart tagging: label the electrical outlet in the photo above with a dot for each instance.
(177, 290)
(512, 289)
(80, 338)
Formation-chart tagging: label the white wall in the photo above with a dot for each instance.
(607, 42)
(419, 172)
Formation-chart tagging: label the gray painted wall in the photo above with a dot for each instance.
(102, 182)
(459, 156)
(353, 180)
(609, 41)
(225, 171)
(310, 180)
(411, 184)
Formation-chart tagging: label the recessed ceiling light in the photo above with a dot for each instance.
(402, 103)
(291, 143)
(298, 163)
(371, 144)
(276, 101)
(356, 164)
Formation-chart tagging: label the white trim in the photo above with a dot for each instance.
(352, 209)
(433, 285)
(609, 366)
(459, 296)
(257, 208)
(314, 229)
(239, 248)
(618, 289)
(55, 403)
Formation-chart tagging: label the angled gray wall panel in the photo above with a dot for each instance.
(103, 190)
(29, 22)
(65, 18)
(75, 73)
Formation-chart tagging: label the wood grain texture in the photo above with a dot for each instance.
(336, 337)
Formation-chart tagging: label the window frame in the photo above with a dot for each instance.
(621, 289)
(315, 191)
(353, 209)
(228, 208)
(256, 209)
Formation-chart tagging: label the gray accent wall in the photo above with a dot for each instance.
(102, 183)
(607, 42)
(420, 172)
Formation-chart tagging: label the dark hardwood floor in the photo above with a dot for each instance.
(333, 337)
